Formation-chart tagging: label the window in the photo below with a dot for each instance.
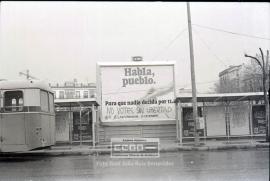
(92, 93)
(54, 94)
(44, 101)
(61, 94)
(13, 101)
(51, 103)
(78, 94)
(70, 93)
(85, 94)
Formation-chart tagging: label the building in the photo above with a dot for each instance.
(74, 107)
(253, 83)
(241, 78)
(252, 78)
(75, 121)
(74, 90)
(222, 116)
(230, 79)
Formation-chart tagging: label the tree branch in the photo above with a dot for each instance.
(255, 59)
(262, 55)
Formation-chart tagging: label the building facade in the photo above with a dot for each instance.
(74, 111)
(74, 90)
(241, 78)
(224, 116)
(253, 83)
(230, 79)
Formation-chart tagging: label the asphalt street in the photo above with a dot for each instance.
(186, 165)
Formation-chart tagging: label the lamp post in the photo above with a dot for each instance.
(264, 65)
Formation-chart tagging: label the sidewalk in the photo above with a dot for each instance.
(167, 146)
(210, 145)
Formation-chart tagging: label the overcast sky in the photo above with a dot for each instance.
(59, 41)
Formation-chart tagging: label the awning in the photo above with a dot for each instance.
(87, 102)
(223, 97)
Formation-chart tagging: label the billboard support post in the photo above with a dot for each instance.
(180, 121)
(177, 122)
(80, 126)
(93, 125)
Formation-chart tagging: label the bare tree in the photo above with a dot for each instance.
(264, 65)
(216, 87)
(252, 77)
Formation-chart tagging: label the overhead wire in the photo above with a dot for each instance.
(206, 82)
(170, 43)
(210, 49)
(230, 32)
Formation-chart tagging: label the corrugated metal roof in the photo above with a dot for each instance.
(75, 102)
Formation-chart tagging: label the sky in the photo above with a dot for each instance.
(60, 41)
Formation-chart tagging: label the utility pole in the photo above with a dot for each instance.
(267, 97)
(193, 82)
(264, 65)
(28, 76)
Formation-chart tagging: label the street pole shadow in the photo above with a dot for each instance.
(20, 159)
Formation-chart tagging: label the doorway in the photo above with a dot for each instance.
(82, 125)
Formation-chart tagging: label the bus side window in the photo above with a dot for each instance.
(44, 101)
(51, 102)
(13, 101)
(1, 102)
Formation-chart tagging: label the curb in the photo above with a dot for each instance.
(104, 151)
(222, 147)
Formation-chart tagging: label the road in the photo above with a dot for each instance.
(188, 165)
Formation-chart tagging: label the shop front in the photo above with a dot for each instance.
(222, 116)
(76, 121)
(189, 124)
(258, 121)
(82, 125)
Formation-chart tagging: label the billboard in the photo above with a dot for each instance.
(136, 92)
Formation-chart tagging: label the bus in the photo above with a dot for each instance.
(27, 117)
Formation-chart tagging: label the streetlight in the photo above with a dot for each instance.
(265, 70)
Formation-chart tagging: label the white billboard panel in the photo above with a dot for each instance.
(215, 121)
(139, 92)
(239, 119)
